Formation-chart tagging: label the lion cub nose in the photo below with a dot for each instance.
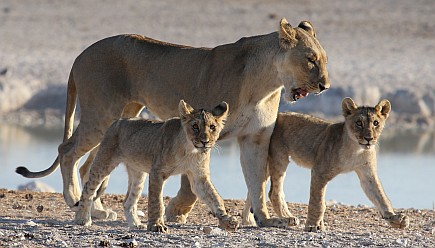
(368, 139)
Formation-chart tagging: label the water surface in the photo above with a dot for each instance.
(406, 167)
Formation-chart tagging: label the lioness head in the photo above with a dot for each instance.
(365, 124)
(302, 67)
(203, 127)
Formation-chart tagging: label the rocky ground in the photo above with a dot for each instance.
(30, 219)
(376, 49)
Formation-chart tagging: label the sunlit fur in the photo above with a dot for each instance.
(329, 149)
(178, 145)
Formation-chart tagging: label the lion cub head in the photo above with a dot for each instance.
(365, 124)
(202, 127)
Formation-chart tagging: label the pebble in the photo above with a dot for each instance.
(30, 223)
(140, 213)
(402, 242)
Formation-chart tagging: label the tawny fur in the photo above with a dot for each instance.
(117, 76)
(329, 149)
(178, 145)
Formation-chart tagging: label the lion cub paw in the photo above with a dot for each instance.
(181, 219)
(158, 227)
(104, 214)
(398, 221)
(314, 228)
(279, 222)
(229, 223)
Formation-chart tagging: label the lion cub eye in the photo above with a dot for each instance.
(213, 127)
(359, 123)
(195, 127)
(375, 123)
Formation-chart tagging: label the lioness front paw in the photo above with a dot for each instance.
(157, 227)
(398, 221)
(229, 223)
(279, 222)
(83, 219)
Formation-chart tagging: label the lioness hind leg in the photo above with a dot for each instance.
(180, 206)
(136, 181)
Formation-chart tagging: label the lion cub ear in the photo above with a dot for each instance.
(184, 108)
(221, 111)
(287, 35)
(307, 26)
(348, 106)
(383, 107)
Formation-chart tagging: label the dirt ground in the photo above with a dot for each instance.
(30, 219)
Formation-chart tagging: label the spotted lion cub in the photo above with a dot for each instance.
(178, 145)
(329, 149)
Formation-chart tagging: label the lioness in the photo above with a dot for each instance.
(329, 149)
(162, 149)
(117, 76)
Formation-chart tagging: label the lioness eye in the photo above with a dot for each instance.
(195, 127)
(359, 123)
(375, 123)
(213, 127)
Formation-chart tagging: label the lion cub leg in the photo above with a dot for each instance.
(136, 181)
(277, 170)
(100, 169)
(98, 210)
(373, 189)
(317, 205)
(206, 192)
(156, 207)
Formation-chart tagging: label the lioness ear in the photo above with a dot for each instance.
(307, 26)
(348, 106)
(221, 110)
(287, 35)
(184, 108)
(383, 107)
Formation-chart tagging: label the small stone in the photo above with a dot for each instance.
(140, 213)
(207, 230)
(31, 223)
(402, 242)
(130, 243)
(62, 244)
(39, 208)
(104, 243)
(28, 197)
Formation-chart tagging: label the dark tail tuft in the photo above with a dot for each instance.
(22, 171)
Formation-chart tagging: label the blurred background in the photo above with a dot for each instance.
(376, 49)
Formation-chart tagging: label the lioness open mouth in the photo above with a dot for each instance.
(299, 93)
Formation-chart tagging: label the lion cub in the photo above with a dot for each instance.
(329, 149)
(179, 145)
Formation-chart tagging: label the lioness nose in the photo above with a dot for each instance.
(322, 87)
(205, 142)
(368, 138)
